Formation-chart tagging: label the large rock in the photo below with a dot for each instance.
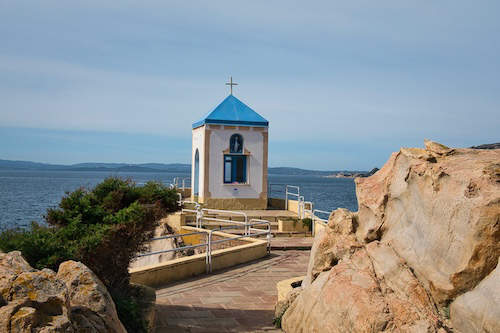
(439, 209)
(427, 231)
(31, 300)
(371, 291)
(479, 309)
(332, 244)
(345, 299)
(41, 301)
(93, 309)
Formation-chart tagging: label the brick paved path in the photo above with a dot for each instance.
(297, 243)
(239, 299)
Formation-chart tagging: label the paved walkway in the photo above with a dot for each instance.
(239, 299)
(292, 243)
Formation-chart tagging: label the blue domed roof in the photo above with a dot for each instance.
(232, 111)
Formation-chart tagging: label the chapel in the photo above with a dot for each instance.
(229, 157)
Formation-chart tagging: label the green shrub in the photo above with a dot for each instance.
(307, 222)
(103, 227)
(130, 312)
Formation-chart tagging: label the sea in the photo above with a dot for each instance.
(25, 195)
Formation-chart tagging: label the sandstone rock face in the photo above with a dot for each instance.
(427, 231)
(93, 309)
(439, 213)
(479, 309)
(332, 244)
(371, 291)
(40, 301)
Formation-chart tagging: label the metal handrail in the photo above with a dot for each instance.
(256, 222)
(316, 218)
(177, 235)
(175, 249)
(287, 193)
(176, 182)
(209, 210)
(304, 210)
(209, 242)
(184, 183)
(269, 235)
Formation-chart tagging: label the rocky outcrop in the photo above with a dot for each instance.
(332, 244)
(92, 308)
(488, 146)
(479, 309)
(73, 300)
(426, 235)
(439, 209)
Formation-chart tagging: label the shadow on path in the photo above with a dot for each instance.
(175, 318)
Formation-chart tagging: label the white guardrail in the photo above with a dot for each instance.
(287, 193)
(181, 181)
(209, 242)
(315, 218)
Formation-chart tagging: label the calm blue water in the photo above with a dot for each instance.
(25, 195)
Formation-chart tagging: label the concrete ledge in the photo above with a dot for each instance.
(235, 203)
(181, 268)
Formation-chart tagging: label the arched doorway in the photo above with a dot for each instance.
(196, 173)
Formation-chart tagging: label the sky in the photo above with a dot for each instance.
(342, 83)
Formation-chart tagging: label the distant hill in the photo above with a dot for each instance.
(114, 167)
(26, 165)
(151, 167)
(305, 172)
(297, 171)
(488, 146)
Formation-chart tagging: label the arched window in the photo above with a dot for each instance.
(196, 172)
(235, 163)
(236, 144)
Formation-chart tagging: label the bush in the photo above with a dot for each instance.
(130, 313)
(104, 228)
(307, 222)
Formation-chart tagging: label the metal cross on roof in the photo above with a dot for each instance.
(231, 84)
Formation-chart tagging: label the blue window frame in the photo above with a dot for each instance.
(235, 169)
(235, 163)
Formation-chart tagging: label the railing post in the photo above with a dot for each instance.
(269, 238)
(207, 254)
(286, 197)
(210, 251)
(246, 225)
(313, 222)
(199, 216)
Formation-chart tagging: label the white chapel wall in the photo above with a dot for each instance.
(253, 142)
(198, 143)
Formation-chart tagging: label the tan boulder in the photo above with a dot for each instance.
(345, 299)
(93, 309)
(372, 291)
(479, 309)
(11, 265)
(32, 300)
(406, 299)
(437, 148)
(333, 243)
(74, 300)
(441, 216)
(372, 193)
(427, 231)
